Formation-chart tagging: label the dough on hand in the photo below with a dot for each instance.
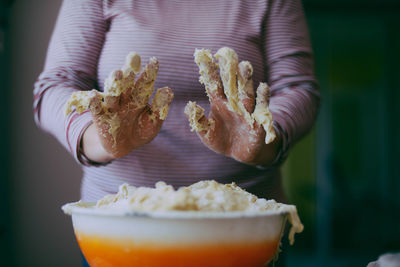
(235, 81)
(122, 87)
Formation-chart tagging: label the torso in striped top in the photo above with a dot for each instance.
(170, 31)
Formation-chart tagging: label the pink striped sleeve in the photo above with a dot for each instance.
(71, 65)
(294, 95)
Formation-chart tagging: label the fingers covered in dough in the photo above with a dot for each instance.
(144, 85)
(245, 85)
(161, 102)
(262, 114)
(209, 75)
(228, 68)
(233, 87)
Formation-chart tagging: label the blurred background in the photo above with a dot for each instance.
(344, 176)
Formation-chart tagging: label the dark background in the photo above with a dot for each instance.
(344, 176)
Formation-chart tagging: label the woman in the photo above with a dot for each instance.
(92, 38)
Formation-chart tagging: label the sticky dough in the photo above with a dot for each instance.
(208, 196)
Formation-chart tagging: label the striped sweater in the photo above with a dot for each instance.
(92, 37)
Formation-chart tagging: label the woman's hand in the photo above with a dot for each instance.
(239, 125)
(122, 118)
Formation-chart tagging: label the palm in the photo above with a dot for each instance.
(232, 135)
(236, 126)
(124, 120)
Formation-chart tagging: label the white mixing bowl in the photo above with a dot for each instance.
(176, 238)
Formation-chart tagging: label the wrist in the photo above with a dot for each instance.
(269, 152)
(91, 147)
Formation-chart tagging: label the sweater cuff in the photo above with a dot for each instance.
(82, 157)
(283, 150)
(76, 126)
(280, 128)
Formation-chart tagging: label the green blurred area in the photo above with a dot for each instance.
(299, 185)
(344, 175)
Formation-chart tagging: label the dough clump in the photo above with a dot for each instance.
(205, 196)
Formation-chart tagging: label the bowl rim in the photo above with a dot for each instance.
(86, 208)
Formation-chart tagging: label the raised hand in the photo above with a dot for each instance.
(122, 117)
(239, 125)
